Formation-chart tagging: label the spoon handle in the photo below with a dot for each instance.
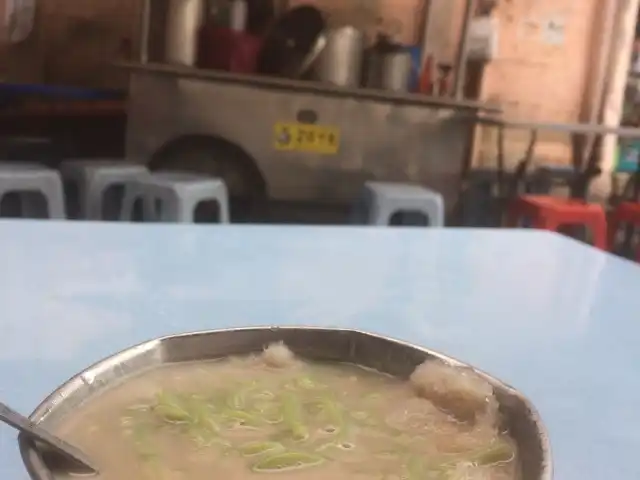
(26, 426)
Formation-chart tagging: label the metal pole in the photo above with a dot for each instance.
(423, 29)
(460, 67)
(604, 61)
(586, 164)
(145, 23)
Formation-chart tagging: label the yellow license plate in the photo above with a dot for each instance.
(303, 137)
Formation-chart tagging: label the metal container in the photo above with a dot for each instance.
(396, 71)
(340, 62)
(381, 353)
(184, 18)
(390, 70)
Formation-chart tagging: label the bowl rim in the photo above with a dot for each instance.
(38, 471)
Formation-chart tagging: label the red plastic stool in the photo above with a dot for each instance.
(550, 213)
(624, 213)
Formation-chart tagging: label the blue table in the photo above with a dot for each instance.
(555, 318)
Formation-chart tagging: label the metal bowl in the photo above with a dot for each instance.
(381, 353)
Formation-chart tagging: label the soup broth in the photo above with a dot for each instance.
(272, 415)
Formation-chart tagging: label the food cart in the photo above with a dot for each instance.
(294, 140)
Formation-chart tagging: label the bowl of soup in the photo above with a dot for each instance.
(291, 402)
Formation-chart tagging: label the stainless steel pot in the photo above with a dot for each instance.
(396, 71)
(184, 18)
(340, 61)
(388, 67)
(330, 344)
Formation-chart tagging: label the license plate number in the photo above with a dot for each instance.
(303, 137)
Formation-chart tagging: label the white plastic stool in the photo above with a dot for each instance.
(379, 202)
(94, 177)
(174, 196)
(28, 178)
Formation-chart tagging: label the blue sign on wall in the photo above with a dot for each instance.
(627, 156)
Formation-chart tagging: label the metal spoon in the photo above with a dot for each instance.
(75, 459)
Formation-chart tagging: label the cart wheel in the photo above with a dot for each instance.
(219, 158)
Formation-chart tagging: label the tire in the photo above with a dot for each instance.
(222, 159)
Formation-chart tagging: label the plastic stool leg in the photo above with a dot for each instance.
(599, 230)
(54, 195)
(435, 212)
(186, 212)
(542, 222)
(381, 216)
(92, 193)
(223, 205)
(171, 206)
(614, 226)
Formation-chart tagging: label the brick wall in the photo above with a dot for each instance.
(533, 78)
(537, 75)
(74, 42)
